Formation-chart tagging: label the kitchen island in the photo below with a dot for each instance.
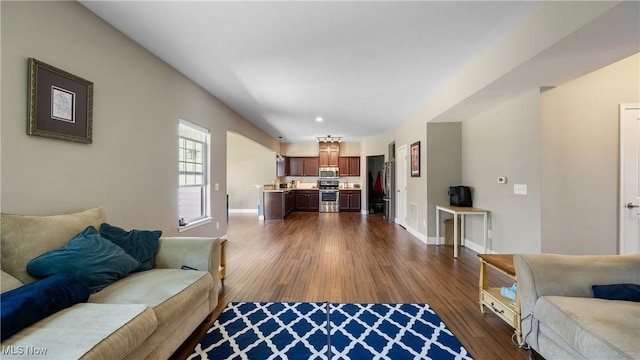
(279, 203)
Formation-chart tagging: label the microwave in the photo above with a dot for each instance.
(329, 172)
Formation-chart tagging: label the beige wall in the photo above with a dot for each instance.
(131, 167)
(505, 141)
(248, 164)
(580, 159)
(444, 166)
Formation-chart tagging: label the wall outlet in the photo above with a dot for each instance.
(217, 225)
(490, 234)
(217, 187)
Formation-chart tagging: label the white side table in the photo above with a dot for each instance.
(462, 211)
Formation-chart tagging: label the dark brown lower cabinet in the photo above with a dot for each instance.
(350, 200)
(307, 200)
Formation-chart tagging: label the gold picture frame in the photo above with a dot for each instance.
(60, 104)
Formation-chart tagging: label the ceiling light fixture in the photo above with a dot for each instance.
(279, 157)
(329, 139)
(319, 119)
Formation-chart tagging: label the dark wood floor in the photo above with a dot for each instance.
(350, 257)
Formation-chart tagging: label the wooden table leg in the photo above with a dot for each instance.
(223, 261)
(437, 226)
(482, 283)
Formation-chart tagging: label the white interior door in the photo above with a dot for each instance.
(401, 181)
(629, 178)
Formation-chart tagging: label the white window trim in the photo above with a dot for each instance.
(195, 224)
(207, 218)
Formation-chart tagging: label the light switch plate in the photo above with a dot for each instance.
(520, 189)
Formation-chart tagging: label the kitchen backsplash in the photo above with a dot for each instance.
(307, 182)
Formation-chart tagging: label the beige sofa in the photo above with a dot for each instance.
(561, 319)
(146, 315)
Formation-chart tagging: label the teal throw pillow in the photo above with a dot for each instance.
(89, 257)
(142, 245)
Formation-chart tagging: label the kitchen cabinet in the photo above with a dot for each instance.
(349, 165)
(274, 205)
(283, 167)
(350, 200)
(289, 202)
(307, 200)
(329, 154)
(303, 166)
(278, 204)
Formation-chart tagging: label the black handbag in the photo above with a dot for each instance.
(460, 196)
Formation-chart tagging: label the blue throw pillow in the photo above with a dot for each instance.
(141, 244)
(32, 302)
(627, 292)
(89, 257)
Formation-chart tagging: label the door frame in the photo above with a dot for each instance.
(401, 185)
(624, 224)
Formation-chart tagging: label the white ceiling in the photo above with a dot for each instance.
(362, 66)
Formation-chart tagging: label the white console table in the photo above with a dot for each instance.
(462, 211)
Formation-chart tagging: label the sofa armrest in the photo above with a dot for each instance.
(199, 253)
(570, 275)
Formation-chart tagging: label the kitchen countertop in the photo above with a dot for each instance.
(302, 189)
(289, 189)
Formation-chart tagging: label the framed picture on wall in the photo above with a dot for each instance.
(60, 104)
(415, 159)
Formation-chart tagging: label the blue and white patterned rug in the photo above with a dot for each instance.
(248, 330)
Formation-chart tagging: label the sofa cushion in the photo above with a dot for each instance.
(93, 259)
(170, 292)
(86, 331)
(35, 301)
(142, 245)
(604, 329)
(23, 237)
(8, 282)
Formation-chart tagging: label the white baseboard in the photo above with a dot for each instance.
(478, 248)
(469, 244)
(243, 211)
(432, 240)
(417, 234)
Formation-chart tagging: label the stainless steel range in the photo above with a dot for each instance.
(329, 195)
